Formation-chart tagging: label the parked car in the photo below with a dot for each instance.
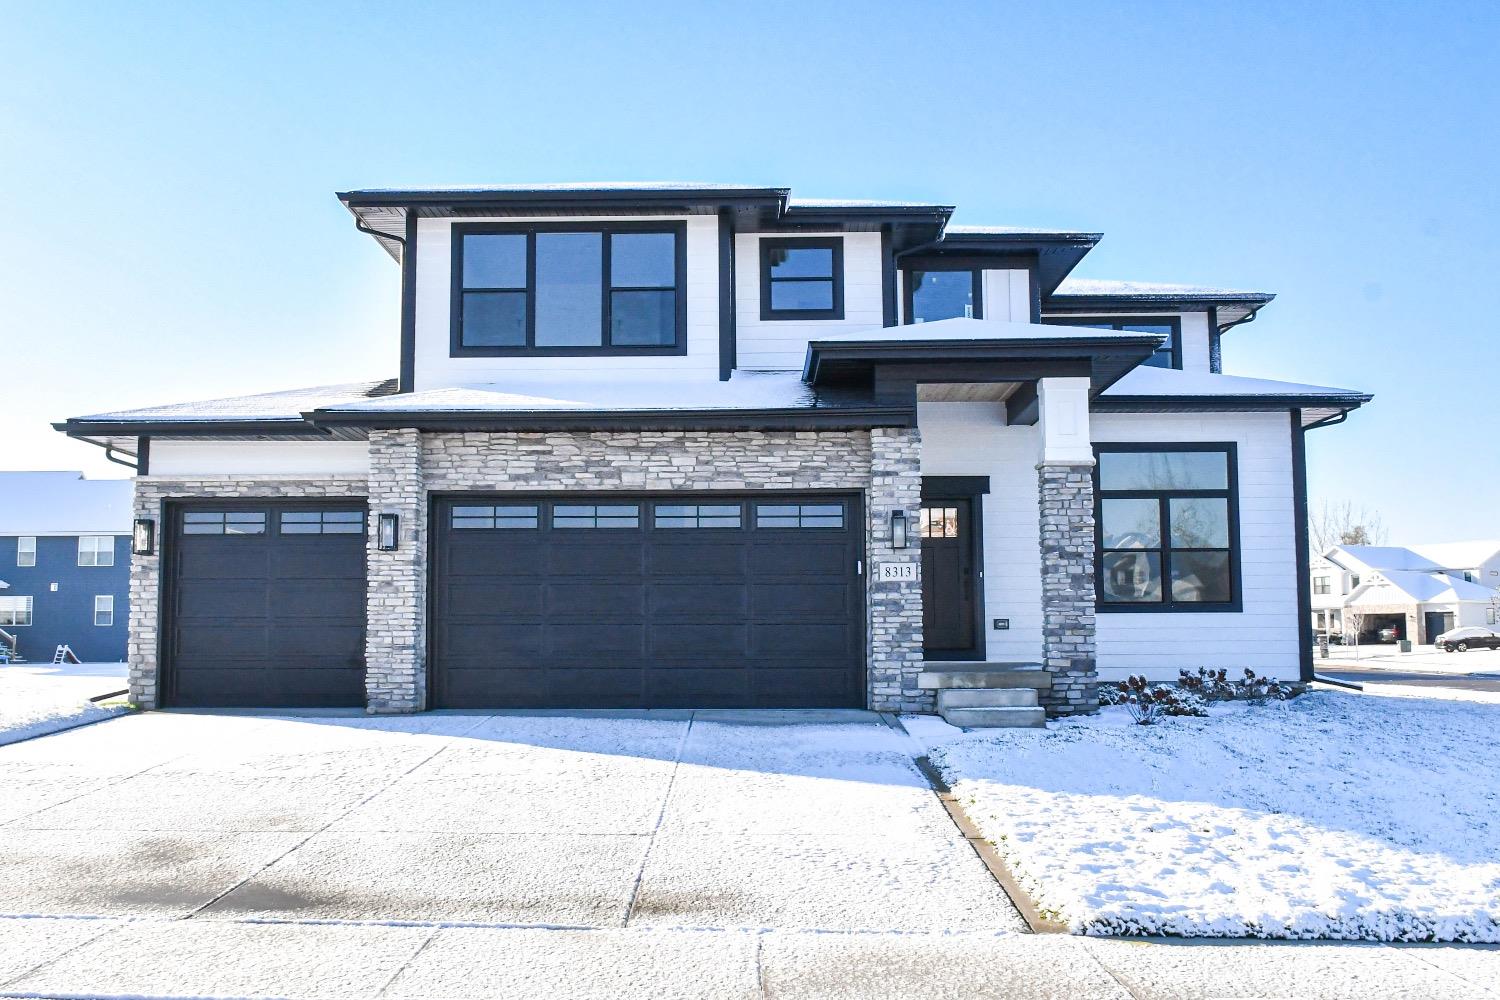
(1461, 640)
(1388, 635)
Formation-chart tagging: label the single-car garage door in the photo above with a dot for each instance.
(267, 605)
(647, 602)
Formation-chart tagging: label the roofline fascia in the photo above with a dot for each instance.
(431, 198)
(899, 351)
(1246, 403)
(1069, 302)
(726, 419)
(84, 429)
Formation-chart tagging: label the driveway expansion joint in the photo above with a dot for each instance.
(635, 889)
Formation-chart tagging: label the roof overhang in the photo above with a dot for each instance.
(1103, 360)
(1230, 309)
(354, 424)
(1057, 254)
(1316, 410)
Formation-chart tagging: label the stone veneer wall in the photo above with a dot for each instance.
(1066, 494)
(396, 597)
(151, 495)
(883, 464)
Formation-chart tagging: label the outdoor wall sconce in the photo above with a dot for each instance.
(143, 538)
(386, 532)
(898, 529)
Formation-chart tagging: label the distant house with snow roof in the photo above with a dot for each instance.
(1419, 590)
(710, 445)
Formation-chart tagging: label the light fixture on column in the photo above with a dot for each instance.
(386, 532)
(143, 538)
(898, 529)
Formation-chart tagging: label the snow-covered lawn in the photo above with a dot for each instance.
(36, 699)
(1330, 816)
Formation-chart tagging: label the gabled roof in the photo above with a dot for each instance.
(1374, 558)
(1421, 588)
(1460, 555)
(63, 503)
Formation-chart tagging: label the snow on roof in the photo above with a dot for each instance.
(969, 230)
(63, 503)
(1099, 288)
(582, 391)
(564, 187)
(1420, 587)
(270, 406)
(1383, 557)
(1460, 555)
(963, 328)
(1150, 381)
(860, 203)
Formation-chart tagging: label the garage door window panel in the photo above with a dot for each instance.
(805, 515)
(501, 516)
(698, 515)
(596, 516)
(220, 522)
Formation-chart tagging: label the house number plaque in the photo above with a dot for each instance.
(897, 571)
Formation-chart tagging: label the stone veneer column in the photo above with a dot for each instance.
(895, 607)
(145, 606)
(1066, 495)
(396, 604)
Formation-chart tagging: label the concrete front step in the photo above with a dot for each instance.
(986, 698)
(995, 718)
(983, 675)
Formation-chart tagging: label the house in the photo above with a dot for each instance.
(709, 445)
(64, 565)
(1421, 591)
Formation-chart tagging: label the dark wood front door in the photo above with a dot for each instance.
(948, 577)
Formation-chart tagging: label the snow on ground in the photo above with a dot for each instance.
(1422, 659)
(36, 699)
(1334, 815)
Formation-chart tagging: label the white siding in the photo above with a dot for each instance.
(1195, 342)
(972, 439)
(781, 345)
(250, 458)
(1264, 635)
(435, 369)
(1006, 296)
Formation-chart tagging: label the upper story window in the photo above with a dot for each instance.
(1322, 585)
(1168, 355)
(802, 278)
(559, 289)
(1167, 523)
(26, 550)
(96, 550)
(935, 293)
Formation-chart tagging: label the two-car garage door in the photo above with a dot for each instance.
(655, 602)
(554, 601)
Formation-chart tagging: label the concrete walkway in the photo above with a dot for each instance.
(663, 854)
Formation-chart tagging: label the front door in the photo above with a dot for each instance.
(948, 578)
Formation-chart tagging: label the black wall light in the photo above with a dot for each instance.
(898, 529)
(143, 538)
(386, 532)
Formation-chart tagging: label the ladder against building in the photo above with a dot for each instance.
(65, 654)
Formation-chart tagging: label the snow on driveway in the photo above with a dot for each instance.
(1331, 816)
(36, 699)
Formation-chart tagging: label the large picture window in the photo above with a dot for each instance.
(15, 612)
(568, 289)
(801, 278)
(937, 294)
(1167, 527)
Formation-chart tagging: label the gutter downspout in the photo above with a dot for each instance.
(1308, 671)
(407, 379)
(110, 453)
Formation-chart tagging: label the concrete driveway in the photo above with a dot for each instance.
(450, 855)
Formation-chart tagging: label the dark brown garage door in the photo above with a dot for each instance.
(648, 602)
(267, 605)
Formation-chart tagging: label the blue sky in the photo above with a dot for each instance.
(171, 231)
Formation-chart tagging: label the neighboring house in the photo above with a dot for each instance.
(64, 565)
(1421, 591)
(702, 445)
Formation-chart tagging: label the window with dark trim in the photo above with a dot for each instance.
(224, 522)
(1168, 355)
(703, 515)
(563, 288)
(934, 293)
(802, 278)
(515, 515)
(799, 515)
(615, 515)
(1167, 527)
(322, 522)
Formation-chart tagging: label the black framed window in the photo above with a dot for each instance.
(801, 278)
(935, 293)
(1168, 355)
(614, 515)
(1167, 527)
(224, 522)
(702, 515)
(939, 522)
(799, 515)
(322, 522)
(558, 289)
(520, 515)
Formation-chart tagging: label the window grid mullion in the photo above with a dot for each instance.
(531, 289)
(607, 305)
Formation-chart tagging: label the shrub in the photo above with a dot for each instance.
(1147, 702)
(1215, 685)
